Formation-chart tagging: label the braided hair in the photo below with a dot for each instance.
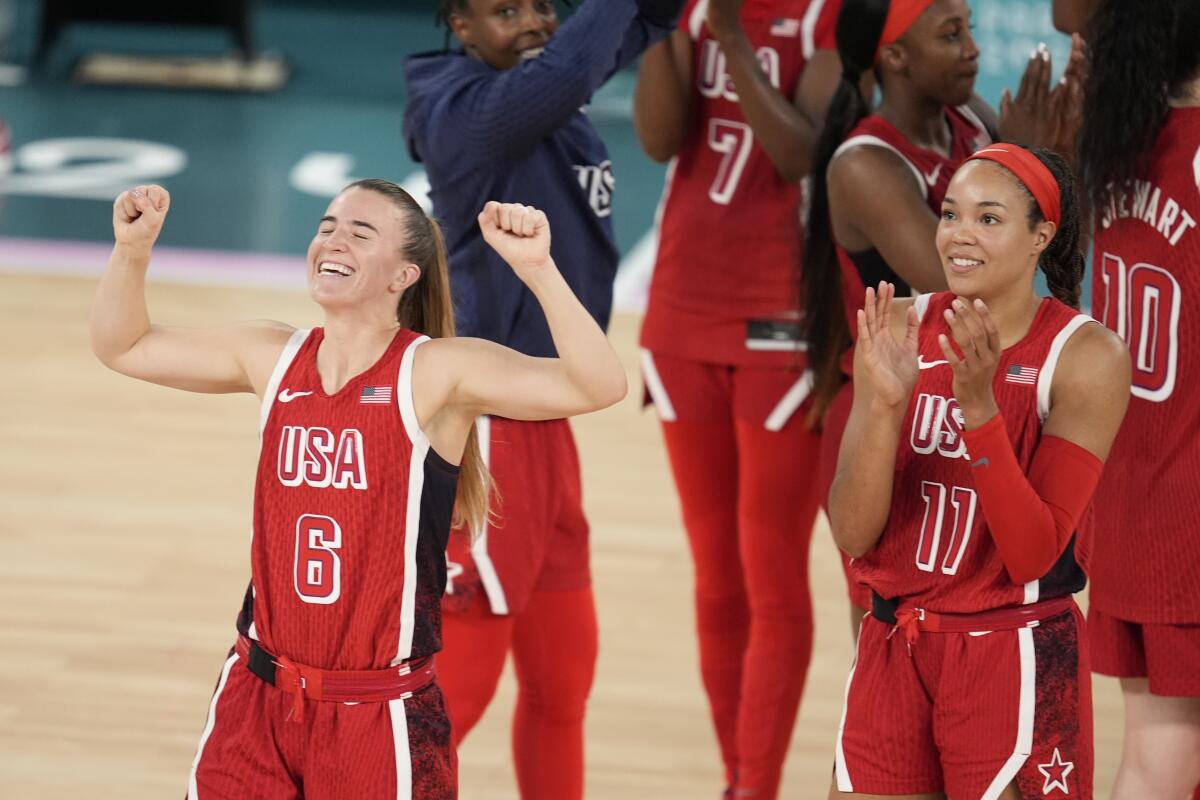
(859, 29)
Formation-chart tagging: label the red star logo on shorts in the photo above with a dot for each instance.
(1056, 773)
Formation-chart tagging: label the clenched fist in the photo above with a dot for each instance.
(138, 215)
(520, 234)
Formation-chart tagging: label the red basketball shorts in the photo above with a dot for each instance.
(831, 441)
(1169, 655)
(538, 535)
(968, 713)
(395, 750)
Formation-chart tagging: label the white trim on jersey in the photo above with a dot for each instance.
(921, 304)
(658, 392)
(416, 486)
(488, 576)
(865, 140)
(1025, 717)
(975, 120)
(404, 392)
(791, 401)
(808, 40)
(841, 771)
(696, 20)
(1196, 167)
(1046, 376)
(399, 717)
(193, 790)
(286, 357)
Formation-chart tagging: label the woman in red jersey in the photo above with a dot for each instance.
(980, 423)
(878, 178)
(330, 689)
(1139, 157)
(722, 358)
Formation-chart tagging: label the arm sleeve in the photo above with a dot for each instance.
(1031, 518)
(509, 112)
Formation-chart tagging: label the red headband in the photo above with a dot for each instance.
(901, 16)
(1030, 171)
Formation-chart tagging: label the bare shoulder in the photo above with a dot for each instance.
(1094, 359)
(871, 170)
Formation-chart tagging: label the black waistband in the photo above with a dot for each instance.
(884, 610)
(261, 663)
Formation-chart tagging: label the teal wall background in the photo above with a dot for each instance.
(250, 172)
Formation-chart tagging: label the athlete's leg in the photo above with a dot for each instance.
(1161, 754)
(475, 643)
(834, 794)
(779, 494)
(554, 652)
(693, 401)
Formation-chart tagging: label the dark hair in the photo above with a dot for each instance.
(448, 8)
(859, 29)
(425, 307)
(1063, 261)
(1139, 52)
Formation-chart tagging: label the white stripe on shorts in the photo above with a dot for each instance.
(1025, 712)
(193, 792)
(658, 392)
(841, 771)
(403, 754)
(790, 402)
(488, 575)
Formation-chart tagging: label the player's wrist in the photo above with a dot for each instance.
(133, 253)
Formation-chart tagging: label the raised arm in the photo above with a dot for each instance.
(876, 202)
(785, 133)
(662, 100)
(461, 378)
(885, 372)
(235, 358)
(507, 113)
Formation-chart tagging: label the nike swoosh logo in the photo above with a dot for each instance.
(931, 177)
(923, 364)
(983, 462)
(287, 396)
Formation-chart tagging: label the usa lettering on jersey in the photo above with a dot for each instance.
(714, 81)
(316, 457)
(597, 182)
(938, 425)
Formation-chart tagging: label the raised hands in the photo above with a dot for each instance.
(978, 340)
(891, 365)
(138, 215)
(1041, 115)
(520, 234)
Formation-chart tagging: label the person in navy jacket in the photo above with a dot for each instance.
(504, 118)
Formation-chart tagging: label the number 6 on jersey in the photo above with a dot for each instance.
(318, 566)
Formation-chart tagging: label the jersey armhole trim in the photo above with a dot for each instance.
(286, 357)
(696, 20)
(921, 304)
(808, 29)
(1045, 377)
(974, 119)
(404, 392)
(875, 141)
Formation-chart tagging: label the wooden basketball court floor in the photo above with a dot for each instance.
(124, 533)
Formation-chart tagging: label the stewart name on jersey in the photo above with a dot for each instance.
(351, 516)
(936, 550)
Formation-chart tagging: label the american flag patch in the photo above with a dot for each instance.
(376, 394)
(1024, 375)
(787, 28)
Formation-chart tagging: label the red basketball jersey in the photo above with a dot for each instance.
(932, 171)
(1145, 558)
(936, 550)
(730, 232)
(351, 516)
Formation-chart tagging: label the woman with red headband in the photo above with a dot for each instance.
(1139, 159)
(878, 179)
(980, 423)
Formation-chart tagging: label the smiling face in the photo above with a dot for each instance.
(939, 54)
(984, 238)
(502, 33)
(357, 255)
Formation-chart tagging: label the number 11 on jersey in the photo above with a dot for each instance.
(963, 501)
